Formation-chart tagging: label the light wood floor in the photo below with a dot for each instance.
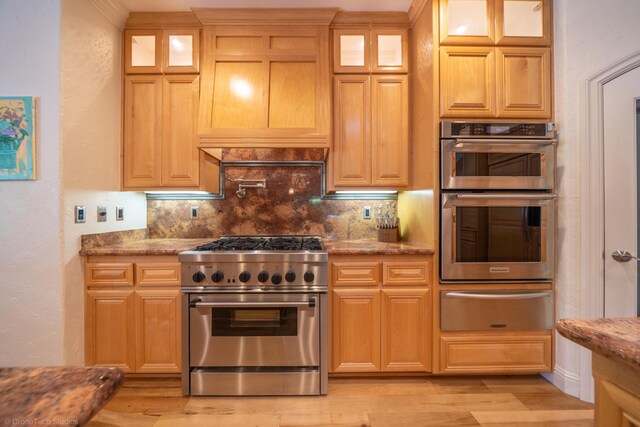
(487, 401)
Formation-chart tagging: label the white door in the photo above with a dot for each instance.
(621, 139)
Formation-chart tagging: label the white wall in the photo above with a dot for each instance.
(91, 92)
(30, 229)
(67, 55)
(589, 35)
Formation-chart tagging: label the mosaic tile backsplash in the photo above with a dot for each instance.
(290, 204)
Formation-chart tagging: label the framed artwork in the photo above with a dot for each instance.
(17, 138)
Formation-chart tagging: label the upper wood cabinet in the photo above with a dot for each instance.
(160, 131)
(377, 50)
(500, 22)
(371, 143)
(265, 83)
(503, 82)
(173, 50)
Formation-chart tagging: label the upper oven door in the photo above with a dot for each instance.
(253, 330)
(497, 236)
(498, 164)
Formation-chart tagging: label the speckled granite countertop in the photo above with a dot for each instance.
(146, 247)
(373, 247)
(55, 396)
(334, 247)
(617, 338)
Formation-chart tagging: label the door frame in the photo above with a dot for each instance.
(592, 201)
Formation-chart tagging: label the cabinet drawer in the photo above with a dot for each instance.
(158, 274)
(111, 274)
(495, 354)
(407, 273)
(355, 273)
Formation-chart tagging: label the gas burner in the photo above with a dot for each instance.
(276, 243)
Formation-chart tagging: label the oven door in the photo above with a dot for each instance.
(498, 164)
(250, 330)
(497, 236)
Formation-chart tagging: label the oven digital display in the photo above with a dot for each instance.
(498, 129)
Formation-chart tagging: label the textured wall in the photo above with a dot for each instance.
(91, 122)
(588, 37)
(290, 204)
(30, 229)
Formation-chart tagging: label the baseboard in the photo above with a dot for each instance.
(568, 382)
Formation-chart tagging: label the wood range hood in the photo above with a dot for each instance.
(265, 81)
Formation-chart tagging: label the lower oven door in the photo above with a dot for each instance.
(497, 236)
(249, 330)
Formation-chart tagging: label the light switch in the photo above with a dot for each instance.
(81, 214)
(194, 212)
(366, 212)
(102, 214)
(119, 213)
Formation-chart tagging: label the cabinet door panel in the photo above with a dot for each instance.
(390, 133)
(523, 22)
(238, 95)
(109, 338)
(467, 82)
(352, 148)
(180, 157)
(158, 273)
(406, 330)
(467, 22)
(351, 51)
(181, 50)
(292, 95)
(356, 330)
(355, 273)
(523, 82)
(390, 51)
(142, 131)
(157, 331)
(142, 51)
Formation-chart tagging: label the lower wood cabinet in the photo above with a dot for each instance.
(617, 393)
(381, 325)
(136, 327)
(498, 353)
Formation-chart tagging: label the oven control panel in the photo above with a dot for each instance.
(458, 129)
(254, 274)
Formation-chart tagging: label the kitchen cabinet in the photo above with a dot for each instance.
(495, 352)
(380, 314)
(371, 141)
(502, 82)
(160, 116)
(132, 313)
(495, 22)
(265, 83)
(158, 50)
(375, 50)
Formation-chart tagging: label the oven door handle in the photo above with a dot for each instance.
(257, 304)
(459, 143)
(494, 196)
(524, 295)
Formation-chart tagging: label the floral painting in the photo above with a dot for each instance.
(17, 142)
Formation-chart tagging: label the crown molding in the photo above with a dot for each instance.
(113, 10)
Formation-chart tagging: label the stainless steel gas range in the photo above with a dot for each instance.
(254, 316)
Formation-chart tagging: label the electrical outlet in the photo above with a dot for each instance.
(119, 213)
(366, 212)
(194, 212)
(102, 214)
(81, 215)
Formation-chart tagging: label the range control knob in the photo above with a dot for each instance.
(245, 276)
(263, 276)
(199, 276)
(309, 276)
(290, 276)
(217, 276)
(276, 278)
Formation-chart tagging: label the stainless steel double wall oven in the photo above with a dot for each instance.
(497, 201)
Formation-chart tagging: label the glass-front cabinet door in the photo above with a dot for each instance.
(152, 51)
(523, 22)
(379, 50)
(467, 22)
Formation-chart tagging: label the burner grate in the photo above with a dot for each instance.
(263, 244)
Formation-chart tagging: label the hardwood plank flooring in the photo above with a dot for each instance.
(359, 402)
